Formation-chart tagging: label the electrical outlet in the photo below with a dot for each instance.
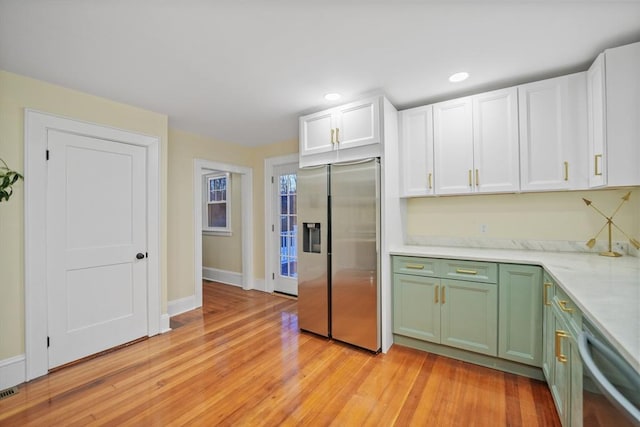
(620, 247)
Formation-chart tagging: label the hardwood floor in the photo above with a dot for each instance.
(241, 361)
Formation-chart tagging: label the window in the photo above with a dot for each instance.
(217, 206)
(288, 226)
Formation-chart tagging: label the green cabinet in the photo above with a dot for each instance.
(469, 316)
(561, 361)
(520, 301)
(456, 313)
(417, 313)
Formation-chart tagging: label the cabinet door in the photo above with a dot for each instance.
(416, 310)
(596, 119)
(623, 115)
(520, 302)
(316, 133)
(560, 383)
(547, 327)
(416, 152)
(453, 146)
(553, 134)
(469, 316)
(495, 141)
(358, 123)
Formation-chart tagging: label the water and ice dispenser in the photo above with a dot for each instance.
(311, 237)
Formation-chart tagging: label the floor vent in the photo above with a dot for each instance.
(8, 392)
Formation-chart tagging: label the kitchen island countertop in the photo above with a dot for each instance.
(607, 290)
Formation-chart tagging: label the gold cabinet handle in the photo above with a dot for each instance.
(463, 271)
(563, 306)
(435, 294)
(477, 178)
(559, 335)
(333, 131)
(596, 163)
(430, 186)
(415, 266)
(546, 285)
(470, 178)
(337, 137)
(566, 171)
(442, 295)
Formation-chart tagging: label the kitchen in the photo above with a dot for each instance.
(502, 215)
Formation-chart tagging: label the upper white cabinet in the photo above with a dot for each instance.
(553, 132)
(348, 132)
(453, 146)
(613, 86)
(416, 152)
(495, 141)
(476, 144)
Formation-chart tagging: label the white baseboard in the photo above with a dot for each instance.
(165, 325)
(12, 371)
(181, 305)
(222, 276)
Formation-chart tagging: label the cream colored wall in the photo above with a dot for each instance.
(225, 252)
(17, 93)
(184, 147)
(539, 216)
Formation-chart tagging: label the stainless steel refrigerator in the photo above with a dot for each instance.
(338, 252)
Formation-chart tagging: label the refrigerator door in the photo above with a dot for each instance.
(313, 275)
(355, 224)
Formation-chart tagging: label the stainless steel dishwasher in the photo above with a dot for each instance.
(610, 386)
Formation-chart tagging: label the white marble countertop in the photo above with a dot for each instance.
(607, 290)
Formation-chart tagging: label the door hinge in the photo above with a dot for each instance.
(273, 227)
(273, 276)
(48, 342)
(47, 154)
(272, 180)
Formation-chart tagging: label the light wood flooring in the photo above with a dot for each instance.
(241, 361)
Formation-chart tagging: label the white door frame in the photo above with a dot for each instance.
(199, 167)
(36, 128)
(269, 236)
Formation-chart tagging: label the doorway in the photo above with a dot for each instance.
(244, 179)
(281, 228)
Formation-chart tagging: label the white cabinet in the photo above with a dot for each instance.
(348, 132)
(416, 152)
(495, 141)
(476, 144)
(553, 134)
(613, 87)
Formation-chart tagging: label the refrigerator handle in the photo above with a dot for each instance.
(355, 162)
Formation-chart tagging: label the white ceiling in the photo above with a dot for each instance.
(243, 71)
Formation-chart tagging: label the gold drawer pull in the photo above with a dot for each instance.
(566, 171)
(477, 178)
(463, 271)
(435, 294)
(470, 178)
(559, 335)
(430, 186)
(442, 295)
(597, 172)
(563, 306)
(546, 285)
(337, 137)
(415, 266)
(333, 131)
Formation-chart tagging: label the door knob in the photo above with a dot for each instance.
(139, 255)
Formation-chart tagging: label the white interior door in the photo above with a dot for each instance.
(285, 270)
(96, 245)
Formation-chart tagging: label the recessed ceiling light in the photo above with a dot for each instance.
(332, 96)
(458, 77)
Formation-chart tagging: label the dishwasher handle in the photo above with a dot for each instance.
(608, 389)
